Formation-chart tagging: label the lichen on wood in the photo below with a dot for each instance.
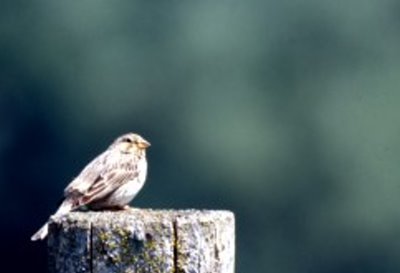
(143, 240)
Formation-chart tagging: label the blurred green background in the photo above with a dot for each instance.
(285, 112)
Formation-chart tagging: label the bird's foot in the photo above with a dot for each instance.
(127, 208)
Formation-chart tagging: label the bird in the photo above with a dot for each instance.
(109, 181)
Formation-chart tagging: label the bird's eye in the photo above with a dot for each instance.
(127, 140)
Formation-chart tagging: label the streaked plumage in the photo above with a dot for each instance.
(111, 180)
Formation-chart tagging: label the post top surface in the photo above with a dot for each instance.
(138, 214)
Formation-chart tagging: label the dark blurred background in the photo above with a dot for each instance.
(285, 112)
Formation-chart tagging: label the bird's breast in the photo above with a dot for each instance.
(126, 192)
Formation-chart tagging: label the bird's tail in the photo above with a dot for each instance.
(65, 207)
(41, 233)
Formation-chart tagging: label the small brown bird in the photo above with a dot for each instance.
(110, 181)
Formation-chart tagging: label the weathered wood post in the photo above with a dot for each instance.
(143, 240)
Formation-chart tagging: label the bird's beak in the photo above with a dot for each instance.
(143, 144)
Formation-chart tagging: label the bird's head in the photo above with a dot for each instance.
(130, 143)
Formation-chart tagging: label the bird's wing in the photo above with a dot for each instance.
(99, 178)
(89, 175)
(106, 184)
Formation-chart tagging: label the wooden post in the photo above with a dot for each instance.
(143, 240)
